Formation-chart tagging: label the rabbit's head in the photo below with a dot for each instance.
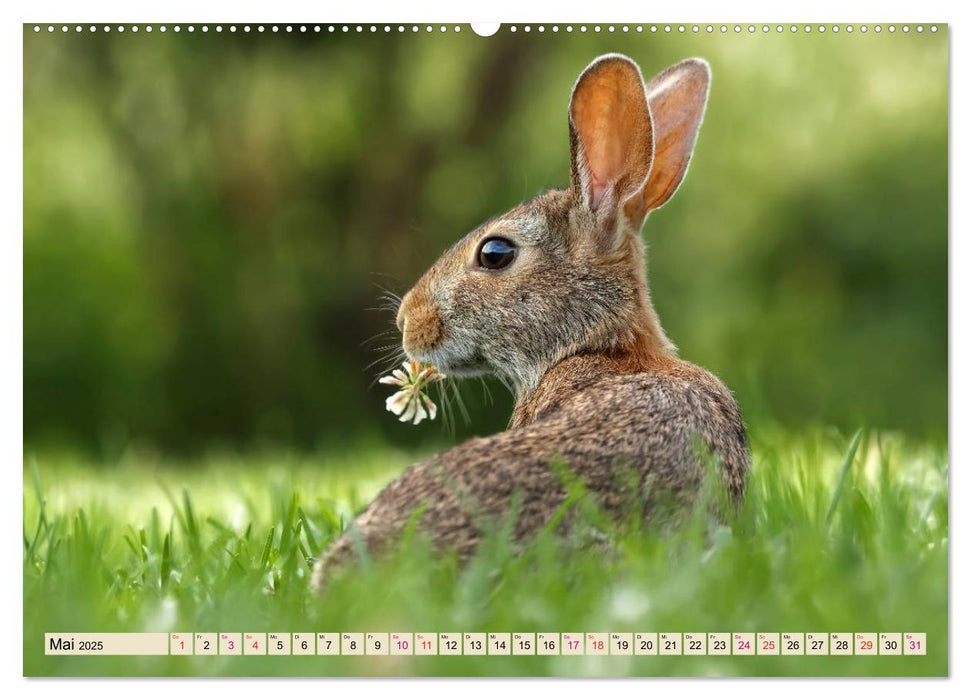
(565, 272)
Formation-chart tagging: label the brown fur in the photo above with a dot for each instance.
(571, 327)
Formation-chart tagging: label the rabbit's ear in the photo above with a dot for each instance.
(677, 98)
(610, 133)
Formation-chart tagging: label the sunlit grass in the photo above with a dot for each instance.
(834, 535)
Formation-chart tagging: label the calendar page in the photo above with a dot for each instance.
(485, 350)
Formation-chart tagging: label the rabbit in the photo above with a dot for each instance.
(553, 298)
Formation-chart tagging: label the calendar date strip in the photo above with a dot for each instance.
(487, 644)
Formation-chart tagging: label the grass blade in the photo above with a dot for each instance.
(192, 526)
(844, 470)
(267, 546)
(166, 560)
(308, 532)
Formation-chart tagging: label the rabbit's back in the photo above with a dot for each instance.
(602, 428)
(664, 421)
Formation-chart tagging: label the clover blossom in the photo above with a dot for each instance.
(411, 402)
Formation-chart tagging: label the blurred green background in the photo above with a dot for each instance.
(209, 220)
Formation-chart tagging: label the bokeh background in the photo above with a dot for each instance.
(209, 221)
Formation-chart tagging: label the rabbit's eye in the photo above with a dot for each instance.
(496, 253)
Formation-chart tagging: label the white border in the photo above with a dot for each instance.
(510, 11)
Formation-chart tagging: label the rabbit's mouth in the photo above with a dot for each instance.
(465, 369)
(452, 363)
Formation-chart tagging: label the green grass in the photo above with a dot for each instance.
(830, 538)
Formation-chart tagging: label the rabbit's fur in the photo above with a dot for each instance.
(570, 325)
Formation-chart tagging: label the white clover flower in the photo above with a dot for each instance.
(411, 402)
